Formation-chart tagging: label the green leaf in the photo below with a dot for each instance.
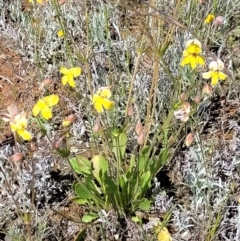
(99, 164)
(143, 204)
(81, 165)
(82, 191)
(135, 219)
(145, 179)
(120, 144)
(87, 218)
(78, 200)
(163, 157)
(81, 235)
(110, 186)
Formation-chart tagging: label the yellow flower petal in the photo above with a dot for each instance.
(96, 98)
(60, 33)
(51, 100)
(24, 134)
(75, 71)
(162, 233)
(185, 53)
(195, 42)
(98, 107)
(222, 76)
(200, 60)
(106, 93)
(66, 123)
(185, 60)
(46, 113)
(71, 82)
(207, 75)
(209, 18)
(65, 79)
(38, 107)
(13, 126)
(64, 70)
(193, 49)
(107, 104)
(214, 78)
(193, 62)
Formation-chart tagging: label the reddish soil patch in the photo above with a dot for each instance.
(14, 84)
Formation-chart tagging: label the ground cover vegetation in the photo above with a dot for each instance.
(120, 120)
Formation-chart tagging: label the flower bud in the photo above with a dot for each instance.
(203, 1)
(59, 143)
(61, 2)
(69, 120)
(197, 99)
(18, 157)
(189, 139)
(97, 127)
(12, 110)
(139, 128)
(182, 97)
(219, 20)
(46, 82)
(141, 138)
(130, 111)
(207, 90)
(186, 107)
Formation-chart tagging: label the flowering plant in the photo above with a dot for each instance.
(69, 75)
(191, 54)
(215, 72)
(101, 100)
(43, 106)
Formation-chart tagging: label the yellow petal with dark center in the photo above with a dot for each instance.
(193, 62)
(193, 49)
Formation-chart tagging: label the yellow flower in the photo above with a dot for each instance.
(193, 46)
(191, 54)
(100, 100)
(19, 124)
(162, 232)
(69, 74)
(192, 59)
(43, 106)
(209, 18)
(215, 73)
(60, 33)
